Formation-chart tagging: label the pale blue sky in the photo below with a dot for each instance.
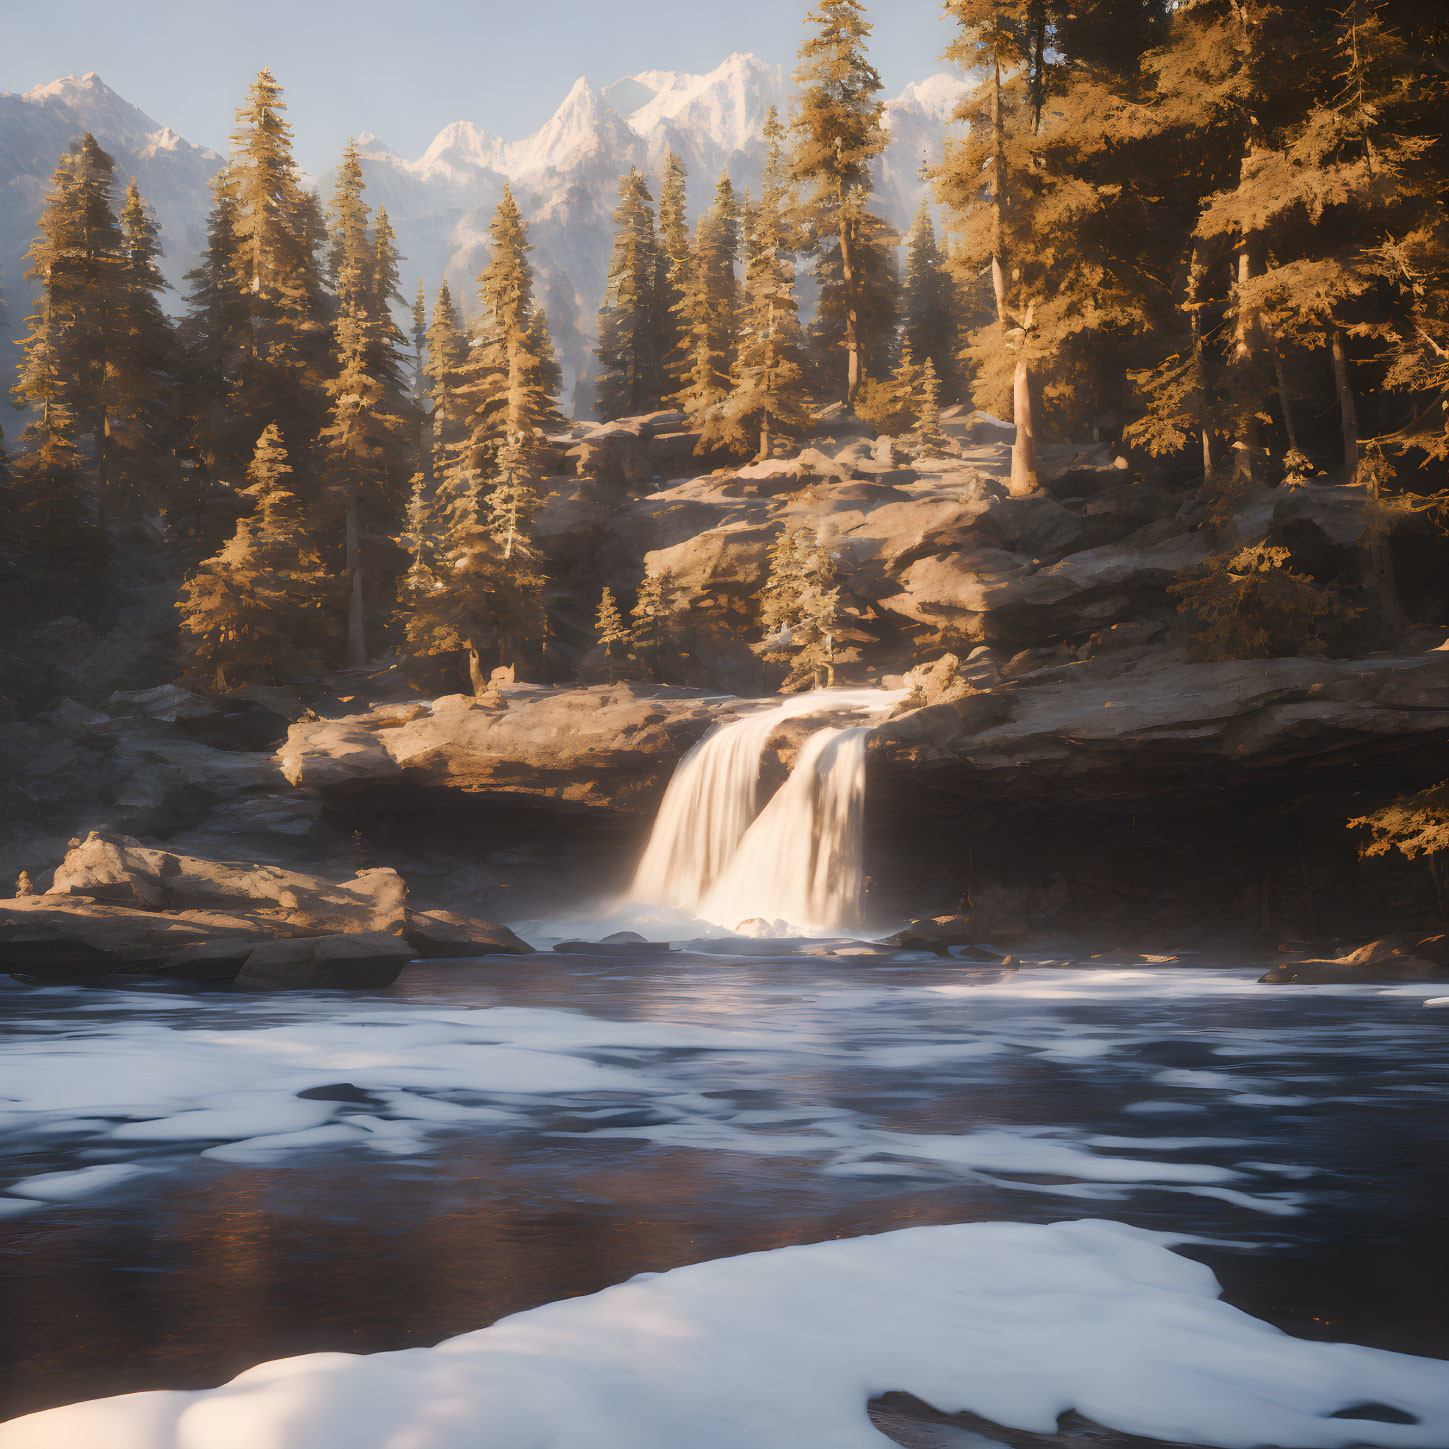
(405, 68)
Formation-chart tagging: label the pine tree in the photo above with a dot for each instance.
(46, 382)
(511, 376)
(653, 626)
(419, 336)
(447, 360)
(99, 354)
(838, 135)
(631, 365)
(928, 438)
(259, 610)
(676, 263)
(366, 441)
(710, 308)
(610, 631)
(279, 229)
(142, 366)
(929, 303)
(214, 338)
(982, 182)
(766, 403)
(799, 608)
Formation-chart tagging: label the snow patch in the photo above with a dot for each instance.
(1014, 1322)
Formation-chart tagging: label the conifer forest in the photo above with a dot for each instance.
(770, 768)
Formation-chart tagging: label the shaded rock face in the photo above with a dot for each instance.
(1159, 802)
(1407, 956)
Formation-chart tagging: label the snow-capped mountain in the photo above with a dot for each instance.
(565, 175)
(36, 128)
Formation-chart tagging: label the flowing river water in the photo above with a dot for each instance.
(191, 1184)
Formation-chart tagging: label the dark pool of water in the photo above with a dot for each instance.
(1332, 1105)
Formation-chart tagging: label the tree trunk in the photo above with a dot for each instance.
(1196, 275)
(852, 320)
(1379, 574)
(1248, 439)
(356, 640)
(1347, 409)
(765, 441)
(1023, 450)
(1283, 402)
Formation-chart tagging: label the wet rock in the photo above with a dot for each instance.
(613, 948)
(938, 934)
(67, 938)
(443, 934)
(1407, 956)
(356, 962)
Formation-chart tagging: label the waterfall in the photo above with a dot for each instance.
(798, 860)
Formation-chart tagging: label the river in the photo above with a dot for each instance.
(193, 1183)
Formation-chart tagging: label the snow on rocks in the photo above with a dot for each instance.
(1014, 1322)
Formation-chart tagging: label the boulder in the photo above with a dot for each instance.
(434, 934)
(1406, 956)
(118, 869)
(360, 961)
(69, 938)
(613, 452)
(937, 934)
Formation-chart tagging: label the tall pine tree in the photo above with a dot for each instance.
(838, 134)
(631, 363)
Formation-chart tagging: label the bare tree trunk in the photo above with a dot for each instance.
(1379, 574)
(1347, 409)
(1283, 401)
(356, 641)
(852, 320)
(1023, 450)
(765, 440)
(1196, 276)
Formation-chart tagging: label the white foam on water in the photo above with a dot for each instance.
(248, 1081)
(1015, 1322)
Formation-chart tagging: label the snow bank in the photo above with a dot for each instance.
(1015, 1322)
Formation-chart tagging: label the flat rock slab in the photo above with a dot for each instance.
(608, 746)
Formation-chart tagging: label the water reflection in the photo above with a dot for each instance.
(212, 1266)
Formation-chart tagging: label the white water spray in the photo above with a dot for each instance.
(799, 862)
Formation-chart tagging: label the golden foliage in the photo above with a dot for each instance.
(1413, 825)
(1249, 604)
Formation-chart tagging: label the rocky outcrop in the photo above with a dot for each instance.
(1150, 727)
(447, 935)
(120, 907)
(605, 747)
(69, 938)
(1407, 956)
(120, 870)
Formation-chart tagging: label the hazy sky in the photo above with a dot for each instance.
(405, 68)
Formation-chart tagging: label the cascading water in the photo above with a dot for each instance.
(799, 861)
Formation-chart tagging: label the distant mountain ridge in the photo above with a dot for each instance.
(565, 175)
